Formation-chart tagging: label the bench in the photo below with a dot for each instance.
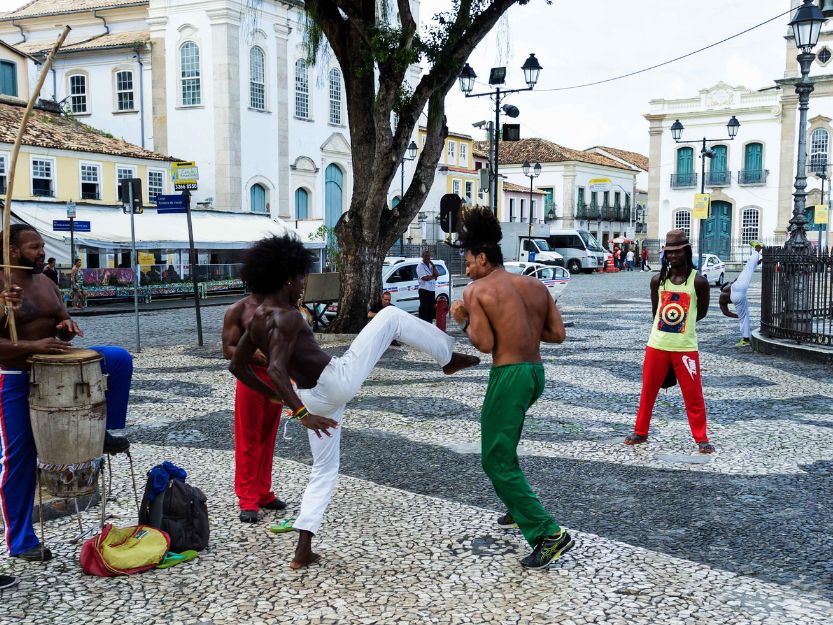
(322, 289)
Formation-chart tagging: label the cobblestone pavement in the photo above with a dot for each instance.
(663, 534)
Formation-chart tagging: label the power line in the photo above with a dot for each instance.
(674, 60)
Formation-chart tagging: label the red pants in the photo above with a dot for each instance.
(687, 369)
(256, 421)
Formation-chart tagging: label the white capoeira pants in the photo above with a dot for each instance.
(340, 382)
(739, 294)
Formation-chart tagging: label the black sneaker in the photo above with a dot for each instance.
(115, 444)
(7, 581)
(548, 550)
(35, 554)
(507, 522)
(275, 504)
(249, 516)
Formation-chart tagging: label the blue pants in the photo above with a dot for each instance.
(18, 457)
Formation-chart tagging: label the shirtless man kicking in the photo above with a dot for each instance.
(256, 421)
(509, 316)
(737, 292)
(277, 268)
(43, 327)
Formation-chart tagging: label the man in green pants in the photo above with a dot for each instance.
(508, 316)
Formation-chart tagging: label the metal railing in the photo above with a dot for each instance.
(797, 295)
(594, 212)
(752, 176)
(452, 256)
(719, 178)
(683, 181)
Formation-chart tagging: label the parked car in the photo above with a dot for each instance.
(400, 280)
(555, 279)
(714, 269)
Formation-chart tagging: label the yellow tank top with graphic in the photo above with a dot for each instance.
(675, 324)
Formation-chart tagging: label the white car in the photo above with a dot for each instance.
(714, 269)
(555, 279)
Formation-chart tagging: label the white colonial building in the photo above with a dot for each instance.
(223, 83)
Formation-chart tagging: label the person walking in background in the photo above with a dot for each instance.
(645, 265)
(427, 275)
(629, 260)
(679, 298)
(737, 292)
(76, 282)
(661, 257)
(50, 271)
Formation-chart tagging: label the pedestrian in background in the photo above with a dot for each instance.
(427, 275)
(76, 281)
(50, 271)
(645, 259)
(629, 260)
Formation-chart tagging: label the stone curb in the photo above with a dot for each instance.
(792, 351)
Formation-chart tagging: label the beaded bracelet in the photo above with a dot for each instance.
(300, 413)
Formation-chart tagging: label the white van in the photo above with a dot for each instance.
(536, 250)
(580, 249)
(399, 278)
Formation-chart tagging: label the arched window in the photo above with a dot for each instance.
(685, 167)
(333, 189)
(257, 79)
(257, 198)
(77, 93)
(819, 142)
(749, 225)
(753, 163)
(682, 221)
(189, 74)
(301, 203)
(301, 89)
(335, 96)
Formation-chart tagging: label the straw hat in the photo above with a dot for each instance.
(676, 240)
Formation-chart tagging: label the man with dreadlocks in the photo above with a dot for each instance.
(680, 298)
(276, 268)
(508, 316)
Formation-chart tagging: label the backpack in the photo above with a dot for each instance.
(123, 550)
(181, 512)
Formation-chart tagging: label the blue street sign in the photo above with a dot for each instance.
(62, 225)
(166, 204)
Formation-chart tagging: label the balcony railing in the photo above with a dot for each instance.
(683, 181)
(752, 176)
(594, 212)
(719, 178)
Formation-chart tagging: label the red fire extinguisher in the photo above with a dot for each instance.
(442, 312)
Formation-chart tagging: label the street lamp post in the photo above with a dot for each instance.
(532, 68)
(677, 132)
(412, 153)
(531, 173)
(806, 26)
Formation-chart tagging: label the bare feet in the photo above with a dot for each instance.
(460, 361)
(303, 552)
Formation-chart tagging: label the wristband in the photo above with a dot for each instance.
(300, 413)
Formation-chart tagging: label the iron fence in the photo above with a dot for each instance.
(797, 295)
(452, 256)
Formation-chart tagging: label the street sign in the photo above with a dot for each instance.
(186, 174)
(599, 185)
(63, 225)
(166, 204)
(820, 215)
(70, 209)
(701, 206)
(185, 186)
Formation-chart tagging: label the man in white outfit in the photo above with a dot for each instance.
(737, 292)
(277, 267)
(427, 275)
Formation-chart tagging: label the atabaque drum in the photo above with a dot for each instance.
(68, 412)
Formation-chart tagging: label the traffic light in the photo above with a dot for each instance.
(450, 205)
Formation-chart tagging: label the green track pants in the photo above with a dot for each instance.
(511, 392)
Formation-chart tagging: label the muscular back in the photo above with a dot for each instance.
(521, 314)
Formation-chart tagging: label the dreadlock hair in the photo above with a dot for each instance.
(479, 233)
(273, 261)
(665, 270)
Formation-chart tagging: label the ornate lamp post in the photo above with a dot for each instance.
(531, 68)
(677, 133)
(806, 26)
(532, 173)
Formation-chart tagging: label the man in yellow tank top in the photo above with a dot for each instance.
(680, 298)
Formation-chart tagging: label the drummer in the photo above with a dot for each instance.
(43, 327)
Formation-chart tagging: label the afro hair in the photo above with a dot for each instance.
(272, 262)
(479, 233)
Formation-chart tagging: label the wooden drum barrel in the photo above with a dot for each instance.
(68, 413)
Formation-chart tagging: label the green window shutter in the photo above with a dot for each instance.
(719, 161)
(685, 161)
(753, 158)
(8, 78)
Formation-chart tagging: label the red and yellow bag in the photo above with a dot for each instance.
(124, 550)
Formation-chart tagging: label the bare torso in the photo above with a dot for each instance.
(517, 308)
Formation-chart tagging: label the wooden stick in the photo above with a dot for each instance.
(7, 209)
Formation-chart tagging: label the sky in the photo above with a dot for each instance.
(579, 41)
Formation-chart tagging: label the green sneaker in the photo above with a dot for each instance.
(743, 343)
(548, 550)
(507, 522)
